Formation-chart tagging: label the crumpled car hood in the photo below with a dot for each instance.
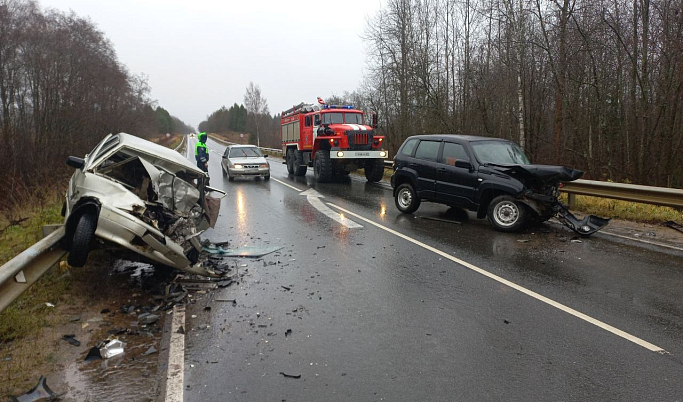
(542, 172)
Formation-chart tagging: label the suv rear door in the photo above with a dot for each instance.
(455, 185)
(425, 163)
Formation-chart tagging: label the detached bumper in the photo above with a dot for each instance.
(339, 154)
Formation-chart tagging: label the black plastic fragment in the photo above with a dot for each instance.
(71, 338)
(180, 330)
(290, 375)
(93, 354)
(149, 351)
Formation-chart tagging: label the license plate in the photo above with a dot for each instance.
(362, 153)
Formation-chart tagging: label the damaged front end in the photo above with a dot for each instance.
(542, 189)
(153, 202)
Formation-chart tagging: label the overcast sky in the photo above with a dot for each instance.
(201, 54)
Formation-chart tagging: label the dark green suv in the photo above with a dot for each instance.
(490, 176)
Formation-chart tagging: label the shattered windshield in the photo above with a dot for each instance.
(251, 152)
(499, 152)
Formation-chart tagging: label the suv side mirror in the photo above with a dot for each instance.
(75, 162)
(374, 120)
(265, 155)
(463, 164)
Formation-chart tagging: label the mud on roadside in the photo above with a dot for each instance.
(103, 300)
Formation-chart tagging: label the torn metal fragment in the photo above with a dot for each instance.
(40, 393)
(112, 348)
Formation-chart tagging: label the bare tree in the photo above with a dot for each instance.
(257, 107)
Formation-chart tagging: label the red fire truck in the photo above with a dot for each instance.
(334, 140)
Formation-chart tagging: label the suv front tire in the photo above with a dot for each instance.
(406, 199)
(506, 214)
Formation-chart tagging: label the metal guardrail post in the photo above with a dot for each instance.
(22, 271)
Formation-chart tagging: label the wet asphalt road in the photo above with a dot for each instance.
(375, 317)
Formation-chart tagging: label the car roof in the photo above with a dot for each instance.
(159, 151)
(466, 138)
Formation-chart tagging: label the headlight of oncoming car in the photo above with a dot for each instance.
(238, 166)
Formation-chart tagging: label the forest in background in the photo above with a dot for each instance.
(594, 84)
(62, 89)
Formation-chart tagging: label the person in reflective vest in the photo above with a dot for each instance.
(201, 153)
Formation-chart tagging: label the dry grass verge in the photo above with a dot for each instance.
(630, 211)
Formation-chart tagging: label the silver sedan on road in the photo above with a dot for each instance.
(244, 160)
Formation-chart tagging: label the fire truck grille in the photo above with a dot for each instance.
(360, 139)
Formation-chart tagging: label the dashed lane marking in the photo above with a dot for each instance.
(569, 310)
(288, 185)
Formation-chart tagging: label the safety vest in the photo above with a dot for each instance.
(196, 148)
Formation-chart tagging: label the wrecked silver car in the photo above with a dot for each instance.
(141, 196)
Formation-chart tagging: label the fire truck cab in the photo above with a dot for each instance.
(334, 140)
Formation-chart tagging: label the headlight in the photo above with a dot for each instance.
(383, 154)
(263, 165)
(340, 154)
(237, 166)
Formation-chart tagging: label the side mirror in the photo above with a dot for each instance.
(75, 162)
(374, 120)
(463, 164)
(265, 155)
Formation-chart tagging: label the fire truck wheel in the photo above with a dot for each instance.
(290, 160)
(374, 170)
(299, 166)
(322, 168)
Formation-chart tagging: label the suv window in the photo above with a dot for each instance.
(428, 150)
(453, 152)
(408, 147)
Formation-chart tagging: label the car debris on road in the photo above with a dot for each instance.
(144, 197)
(40, 393)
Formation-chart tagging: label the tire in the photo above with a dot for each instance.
(82, 239)
(406, 199)
(322, 167)
(230, 178)
(506, 214)
(374, 170)
(289, 158)
(223, 171)
(266, 178)
(299, 167)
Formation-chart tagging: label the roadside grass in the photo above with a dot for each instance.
(171, 141)
(618, 209)
(28, 313)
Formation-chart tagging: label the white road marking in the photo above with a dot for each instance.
(314, 197)
(175, 376)
(641, 240)
(569, 310)
(288, 185)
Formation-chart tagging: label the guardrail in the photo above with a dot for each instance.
(22, 271)
(19, 273)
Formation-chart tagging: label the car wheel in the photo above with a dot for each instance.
(506, 214)
(299, 167)
(266, 177)
(406, 199)
(81, 240)
(322, 168)
(290, 160)
(223, 170)
(374, 170)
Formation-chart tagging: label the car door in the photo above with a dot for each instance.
(224, 160)
(425, 163)
(455, 185)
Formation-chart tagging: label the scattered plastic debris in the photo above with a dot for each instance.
(112, 348)
(49, 304)
(576, 241)
(286, 288)
(288, 333)
(71, 338)
(181, 330)
(290, 375)
(149, 351)
(40, 393)
(147, 318)
(93, 354)
(246, 251)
